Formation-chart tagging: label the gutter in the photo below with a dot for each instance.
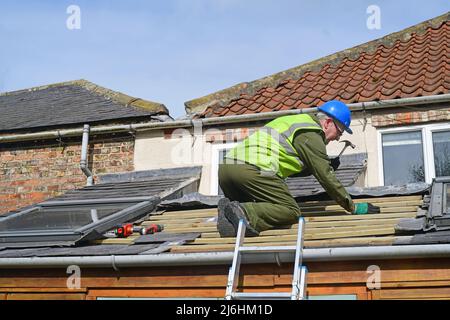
(361, 106)
(225, 258)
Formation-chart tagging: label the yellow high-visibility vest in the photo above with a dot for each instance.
(271, 147)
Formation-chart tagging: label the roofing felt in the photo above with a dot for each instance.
(74, 102)
(410, 63)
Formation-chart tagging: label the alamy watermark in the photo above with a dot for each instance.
(73, 22)
(190, 146)
(374, 19)
(74, 280)
(374, 278)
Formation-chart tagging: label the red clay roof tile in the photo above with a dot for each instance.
(410, 64)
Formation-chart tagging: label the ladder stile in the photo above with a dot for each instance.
(296, 284)
(233, 275)
(304, 273)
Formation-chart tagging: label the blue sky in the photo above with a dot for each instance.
(172, 51)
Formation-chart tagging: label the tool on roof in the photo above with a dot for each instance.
(127, 229)
(299, 275)
(335, 162)
(153, 228)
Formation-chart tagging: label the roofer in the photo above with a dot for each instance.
(252, 175)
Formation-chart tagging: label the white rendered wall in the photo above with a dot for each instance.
(154, 150)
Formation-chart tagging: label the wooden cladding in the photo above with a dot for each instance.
(400, 279)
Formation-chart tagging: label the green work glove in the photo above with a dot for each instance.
(365, 208)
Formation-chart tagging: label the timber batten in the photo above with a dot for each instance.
(327, 224)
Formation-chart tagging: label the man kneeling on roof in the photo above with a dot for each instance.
(252, 175)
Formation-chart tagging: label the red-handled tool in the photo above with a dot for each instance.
(153, 228)
(124, 230)
(127, 229)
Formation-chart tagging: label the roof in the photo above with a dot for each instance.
(432, 224)
(70, 103)
(327, 225)
(409, 63)
(161, 182)
(85, 214)
(190, 220)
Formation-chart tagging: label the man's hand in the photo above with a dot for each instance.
(365, 208)
(335, 162)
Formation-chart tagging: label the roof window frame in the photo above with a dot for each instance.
(215, 151)
(86, 232)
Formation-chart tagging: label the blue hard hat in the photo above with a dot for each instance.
(338, 111)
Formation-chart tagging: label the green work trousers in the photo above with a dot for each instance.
(265, 197)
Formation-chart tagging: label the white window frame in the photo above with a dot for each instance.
(215, 151)
(427, 146)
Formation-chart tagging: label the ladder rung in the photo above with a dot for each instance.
(268, 249)
(262, 295)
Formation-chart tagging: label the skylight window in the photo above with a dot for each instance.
(59, 217)
(72, 220)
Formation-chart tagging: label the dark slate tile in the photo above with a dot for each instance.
(91, 250)
(121, 190)
(98, 250)
(62, 105)
(21, 253)
(411, 225)
(439, 237)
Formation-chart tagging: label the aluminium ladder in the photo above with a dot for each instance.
(299, 275)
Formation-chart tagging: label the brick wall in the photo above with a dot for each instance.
(215, 135)
(410, 117)
(33, 173)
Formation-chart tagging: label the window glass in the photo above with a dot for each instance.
(441, 146)
(403, 158)
(60, 217)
